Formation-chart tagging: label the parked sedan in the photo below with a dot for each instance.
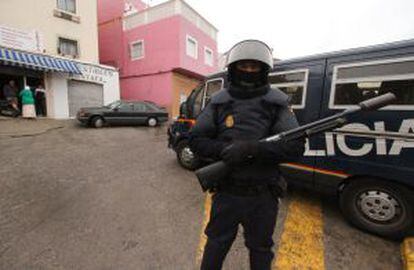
(123, 113)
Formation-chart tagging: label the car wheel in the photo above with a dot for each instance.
(186, 157)
(152, 122)
(97, 122)
(378, 206)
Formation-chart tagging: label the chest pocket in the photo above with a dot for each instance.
(249, 120)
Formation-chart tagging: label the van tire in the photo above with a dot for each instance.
(186, 157)
(379, 207)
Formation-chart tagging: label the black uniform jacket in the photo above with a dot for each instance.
(227, 119)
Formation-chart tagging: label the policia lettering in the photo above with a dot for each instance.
(229, 129)
(377, 147)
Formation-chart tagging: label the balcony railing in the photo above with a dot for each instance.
(166, 10)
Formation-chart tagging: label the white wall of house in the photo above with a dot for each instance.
(45, 18)
(57, 95)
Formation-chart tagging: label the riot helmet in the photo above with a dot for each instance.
(248, 64)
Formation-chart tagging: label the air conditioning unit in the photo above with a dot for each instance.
(66, 16)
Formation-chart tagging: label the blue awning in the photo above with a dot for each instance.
(37, 61)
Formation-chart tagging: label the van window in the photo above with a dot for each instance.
(198, 100)
(353, 84)
(292, 83)
(212, 87)
(376, 70)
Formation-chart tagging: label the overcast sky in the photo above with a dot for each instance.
(303, 27)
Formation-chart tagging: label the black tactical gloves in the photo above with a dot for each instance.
(240, 153)
(280, 151)
(244, 152)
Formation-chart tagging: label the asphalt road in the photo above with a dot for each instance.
(115, 198)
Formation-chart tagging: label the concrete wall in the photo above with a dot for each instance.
(197, 65)
(164, 50)
(161, 47)
(39, 15)
(164, 89)
(110, 9)
(112, 90)
(165, 47)
(182, 85)
(156, 88)
(138, 4)
(111, 50)
(57, 95)
(111, 36)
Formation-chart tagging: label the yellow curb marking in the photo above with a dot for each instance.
(407, 250)
(203, 237)
(301, 244)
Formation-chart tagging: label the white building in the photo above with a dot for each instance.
(55, 43)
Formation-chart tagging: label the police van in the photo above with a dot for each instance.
(369, 163)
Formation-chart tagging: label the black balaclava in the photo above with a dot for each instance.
(247, 84)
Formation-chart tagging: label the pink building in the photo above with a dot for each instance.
(162, 52)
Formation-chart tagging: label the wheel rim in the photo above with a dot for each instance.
(187, 156)
(98, 123)
(379, 206)
(152, 122)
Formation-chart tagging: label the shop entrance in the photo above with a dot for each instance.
(34, 82)
(39, 93)
(5, 79)
(23, 77)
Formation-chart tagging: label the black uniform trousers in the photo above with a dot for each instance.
(257, 214)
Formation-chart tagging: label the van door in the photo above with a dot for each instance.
(201, 96)
(375, 144)
(195, 101)
(303, 82)
(212, 86)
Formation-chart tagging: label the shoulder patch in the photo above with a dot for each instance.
(276, 96)
(229, 121)
(221, 97)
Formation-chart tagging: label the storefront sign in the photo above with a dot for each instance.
(94, 74)
(21, 39)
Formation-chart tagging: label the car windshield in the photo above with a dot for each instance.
(114, 104)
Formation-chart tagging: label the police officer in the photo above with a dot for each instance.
(229, 129)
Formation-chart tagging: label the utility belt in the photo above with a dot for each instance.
(245, 191)
(277, 190)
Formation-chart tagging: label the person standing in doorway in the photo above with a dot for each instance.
(28, 103)
(10, 94)
(40, 100)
